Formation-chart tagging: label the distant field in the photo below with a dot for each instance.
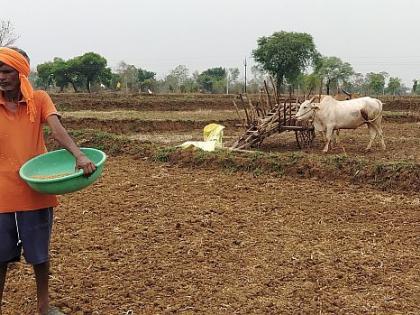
(199, 115)
(185, 102)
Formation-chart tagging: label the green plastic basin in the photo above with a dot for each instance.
(54, 172)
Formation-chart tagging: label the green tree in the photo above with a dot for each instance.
(285, 55)
(92, 67)
(310, 83)
(45, 75)
(81, 71)
(212, 80)
(106, 77)
(394, 86)
(59, 73)
(143, 75)
(146, 79)
(74, 74)
(376, 82)
(332, 70)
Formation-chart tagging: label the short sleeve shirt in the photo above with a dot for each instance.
(21, 140)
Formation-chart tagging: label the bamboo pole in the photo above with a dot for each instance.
(248, 119)
(237, 112)
(275, 90)
(252, 109)
(268, 95)
(260, 100)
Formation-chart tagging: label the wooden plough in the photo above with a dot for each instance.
(270, 115)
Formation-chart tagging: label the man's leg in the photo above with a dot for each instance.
(35, 231)
(41, 276)
(9, 249)
(3, 271)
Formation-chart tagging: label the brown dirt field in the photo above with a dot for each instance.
(158, 239)
(129, 126)
(402, 139)
(174, 102)
(140, 102)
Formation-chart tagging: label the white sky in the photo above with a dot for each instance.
(158, 35)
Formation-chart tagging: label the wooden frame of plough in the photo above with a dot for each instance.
(271, 114)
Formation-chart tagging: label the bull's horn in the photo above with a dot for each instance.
(312, 99)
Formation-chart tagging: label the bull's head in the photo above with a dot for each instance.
(306, 110)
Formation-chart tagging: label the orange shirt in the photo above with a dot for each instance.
(21, 140)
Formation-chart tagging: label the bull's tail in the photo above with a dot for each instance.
(364, 114)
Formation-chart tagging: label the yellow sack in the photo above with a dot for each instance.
(214, 132)
(213, 138)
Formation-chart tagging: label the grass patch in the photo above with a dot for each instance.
(163, 154)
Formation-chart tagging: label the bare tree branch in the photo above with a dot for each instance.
(7, 34)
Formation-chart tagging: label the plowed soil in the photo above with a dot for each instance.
(135, 101)
(153, 238)
(156, 239)
(177, 102)
(402, 139)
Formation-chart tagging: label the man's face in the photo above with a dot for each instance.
(9, 78)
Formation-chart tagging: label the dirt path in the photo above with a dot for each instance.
(157, 239)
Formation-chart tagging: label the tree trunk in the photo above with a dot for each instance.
(279, 83)
(320, 88)
(74, 87)
(88, 86)
(328, 86)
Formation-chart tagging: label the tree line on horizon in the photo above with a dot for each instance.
(329, 76)
(90, 72)
(290, 58)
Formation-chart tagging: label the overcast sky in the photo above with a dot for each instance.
(158, 35)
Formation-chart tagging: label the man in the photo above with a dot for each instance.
(25, 215)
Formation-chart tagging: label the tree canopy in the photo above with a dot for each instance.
(332, 70)
(376, 82)
(285, 55)
(212, 80)
(78, 72)
(394, 86)
(91, 66)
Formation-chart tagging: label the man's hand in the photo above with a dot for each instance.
(82, 162)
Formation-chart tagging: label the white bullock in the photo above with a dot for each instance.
(330, 115)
